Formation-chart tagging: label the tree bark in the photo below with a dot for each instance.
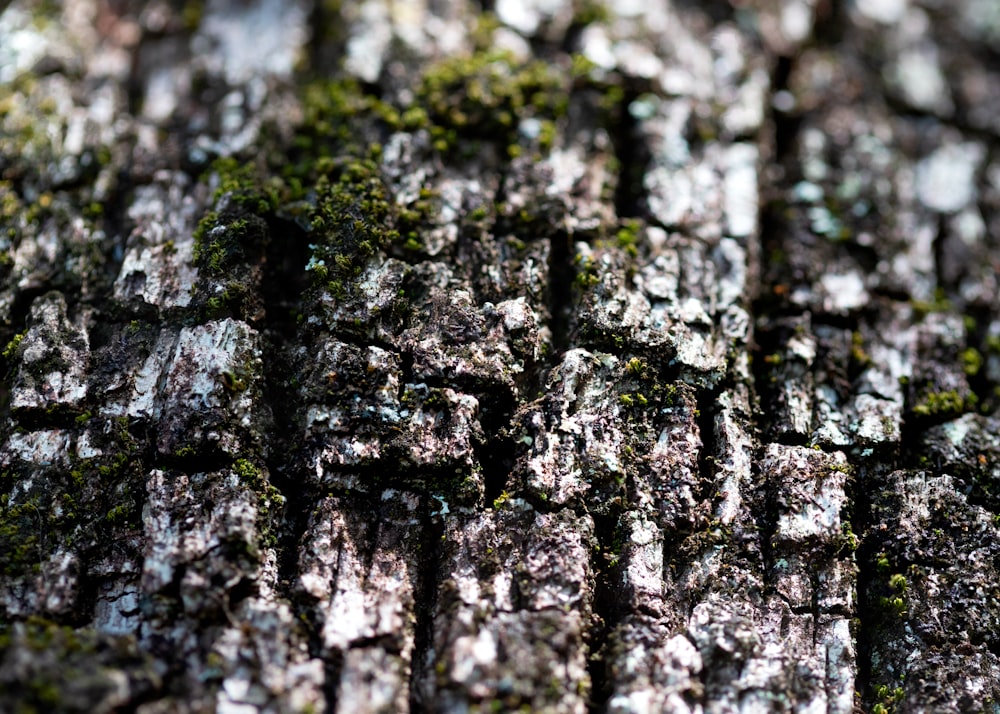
(561, 356)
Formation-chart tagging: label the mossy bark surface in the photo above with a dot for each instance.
(568, 356)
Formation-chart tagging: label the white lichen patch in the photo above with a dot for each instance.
(54, 358)
(364, 591)
(243, 41)
(529, 16)
(877, 420)
(373, 679)
(210, 386)
(843, 292)
(740, 190)
(186, 518)
(656, 676)
(158, 267)
(23, 42)
(60, 581)
(946, 179)
(368, 39)
(643, 563)
(46, 447)
(811, 492)
(553, 464)
(734, 461)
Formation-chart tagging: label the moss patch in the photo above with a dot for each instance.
(488, 95)
(78, 509)
(948, 403)
(49, 667)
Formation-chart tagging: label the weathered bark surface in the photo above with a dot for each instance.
(575, 356)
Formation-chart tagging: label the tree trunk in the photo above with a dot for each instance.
(561, 356)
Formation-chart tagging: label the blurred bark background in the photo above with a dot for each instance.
(544, 355)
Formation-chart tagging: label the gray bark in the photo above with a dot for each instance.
(571, 356)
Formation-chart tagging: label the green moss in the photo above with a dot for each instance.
(848, 539)
(922, 308)
(10, 204)
(887, 699)
(627, 237)
(243, 182)
(487, 95)
(63, 508)
(586, 272)
(588, 12)
(895, 604)
(11, 348)
(546, 134)
(93, 211)
(248, 472)
(269, 499)
(634, 399)
(235, 231)
(350, 223)
(22, 531)
(859, 355)
(117, 514)
(635, 367)
(972, 361)
(500, 500)
(191, 14)
(340, 122)
(330, 179)
(233, 381)
(943, 404)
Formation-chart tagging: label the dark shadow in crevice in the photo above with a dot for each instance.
(333, 665)
(706, 410)
(424, 607)
(285, 278)
(718, 11)
(607, 611)
(766, 514)
(831, 23)
(560, 292)
(861, 518)
(497, 453)
(284, 282)
(204, 461)
(633, 157)
(786, 124)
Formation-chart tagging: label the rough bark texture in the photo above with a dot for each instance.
(561, 356)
